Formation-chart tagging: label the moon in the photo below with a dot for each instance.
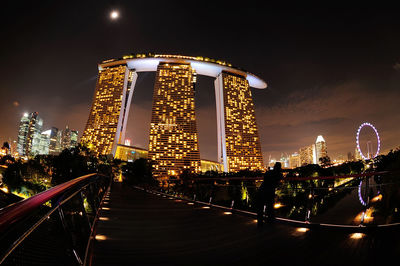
(114, 15)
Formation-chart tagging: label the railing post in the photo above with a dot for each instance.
(69, 234)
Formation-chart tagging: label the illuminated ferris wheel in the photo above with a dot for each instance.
(370, 154)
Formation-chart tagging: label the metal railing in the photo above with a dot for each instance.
(54, 227)
(359, 201)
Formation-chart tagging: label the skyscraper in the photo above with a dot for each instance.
(53, 142)
(173, 145)
(22, 134)
(294, 160)
(238, 141)
(106, 124)
(69, 138)
(29, 133)
(320, 147)
(306, 155)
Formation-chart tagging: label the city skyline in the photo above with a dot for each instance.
(328, 70)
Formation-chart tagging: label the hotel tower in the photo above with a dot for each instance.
(173, 144)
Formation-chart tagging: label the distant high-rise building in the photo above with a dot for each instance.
(22, 134)
(29, 133)
(320, 147)
(41, 145)
(306, 155)
(357, 154)
(69, 138)
(294, 160)
(173, 145)
(350, 156)
(53, 142)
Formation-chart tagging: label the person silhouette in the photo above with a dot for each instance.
(266, 194)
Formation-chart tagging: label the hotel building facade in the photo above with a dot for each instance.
(173, 144)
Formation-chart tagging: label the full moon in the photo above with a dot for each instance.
(114, 14)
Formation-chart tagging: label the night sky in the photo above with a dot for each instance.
(328, 70)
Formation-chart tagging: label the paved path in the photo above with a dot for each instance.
(145, 229)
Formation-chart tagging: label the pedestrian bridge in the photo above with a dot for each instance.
(91, 221)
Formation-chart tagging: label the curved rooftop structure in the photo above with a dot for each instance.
(203, 66)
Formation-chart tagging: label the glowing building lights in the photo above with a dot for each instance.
(173, 146)
(238, 141)
(108, 116)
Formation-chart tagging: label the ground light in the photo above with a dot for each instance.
(357, 235)
(100, 237)
(302, 229)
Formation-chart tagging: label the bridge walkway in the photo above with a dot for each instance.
(140, 228)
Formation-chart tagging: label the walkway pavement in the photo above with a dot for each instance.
(145, 229)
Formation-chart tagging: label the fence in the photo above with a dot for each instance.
(362, 200)
(54, 227)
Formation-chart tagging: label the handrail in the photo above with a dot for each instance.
(15, 231)
(14, 212)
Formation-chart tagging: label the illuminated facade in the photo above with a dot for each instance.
(107, 120)
(320, 149)
(173, 145)
(307, 155)
(207, 165)
(294, 160)
(238, 141)
(29, 133)
(130, 153)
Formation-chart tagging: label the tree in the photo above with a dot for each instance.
(13, 176)
(325, 161)
(72, 163)
(6, 145)
(138, 172)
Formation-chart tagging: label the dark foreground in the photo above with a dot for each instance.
(146, 229)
